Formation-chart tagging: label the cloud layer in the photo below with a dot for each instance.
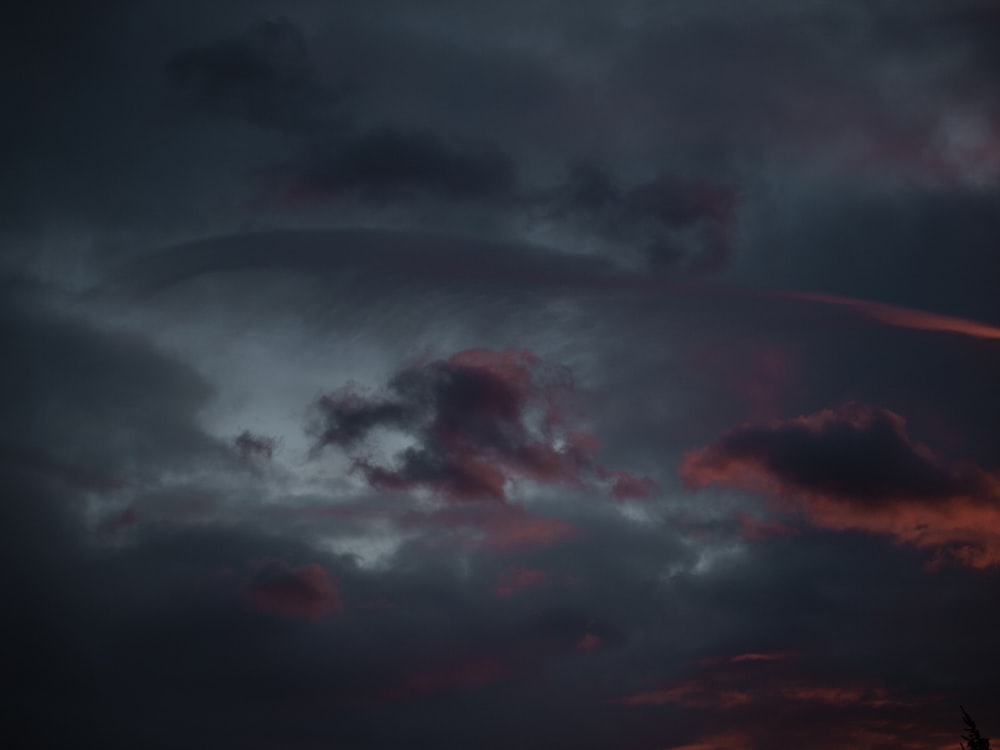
(526, 374)
(855, 468)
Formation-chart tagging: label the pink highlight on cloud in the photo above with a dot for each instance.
(769, 679)
(713, 693)
(309, 591)
(126, 520)
(753, 528)
(758, 374)
(902, 317)
(855, 468)
(625, 486)
(517, 578)
(480, 422)
(505, 530)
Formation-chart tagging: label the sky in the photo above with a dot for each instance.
(600, 375)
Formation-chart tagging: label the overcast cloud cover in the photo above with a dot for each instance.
(500, 374)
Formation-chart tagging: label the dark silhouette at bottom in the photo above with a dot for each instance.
(973, 740)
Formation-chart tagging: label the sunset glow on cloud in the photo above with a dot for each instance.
(854, 468)
(478, 421)
(526, 374)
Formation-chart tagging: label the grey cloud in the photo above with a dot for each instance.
(387, 163)
(264, 75)
(836, 147)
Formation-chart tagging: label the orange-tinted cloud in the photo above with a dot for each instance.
(692, 694)
(589, 642)
(839, 695)
(904, 317)
(477, 422)
(625, 486)
(309, 591)
(856, 468)
(744, 693)
(722, 692)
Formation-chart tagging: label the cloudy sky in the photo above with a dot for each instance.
(490, 374)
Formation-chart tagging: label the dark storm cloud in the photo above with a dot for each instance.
(264, 75)
(170, 585)
(82, 397)
(308, 591)
(252, 446)
(388, 163)
(195, 600)
(855, 468)
(830, 648)
(854, 452)
(441, 258)
(672, 221)
(478, 420)
(925, 248)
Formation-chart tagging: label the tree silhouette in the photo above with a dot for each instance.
(974, 739)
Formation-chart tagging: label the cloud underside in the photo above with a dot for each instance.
(522, 374)
(854, 468)
(476, 422)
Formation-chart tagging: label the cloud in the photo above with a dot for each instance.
(625, 486)
(740, 658)
(770, 679)
(427, 256)
(671, 220)
(855, 468)
(832, 146)
(726, 741)
(902, 317)
(501, 529)
(690, 694)
(464, 675)
(37, 462)
(309, 591)
(707, 694)
(251, 446)
(264, 76)
(750, 656)
(389, 163)
(517, 578)
(476, 423)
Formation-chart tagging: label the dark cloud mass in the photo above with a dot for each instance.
(671, 220)
(478, 421)
(386, 163)
(855, 467)
(551, 374)
(264, 75)
(307, 592)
